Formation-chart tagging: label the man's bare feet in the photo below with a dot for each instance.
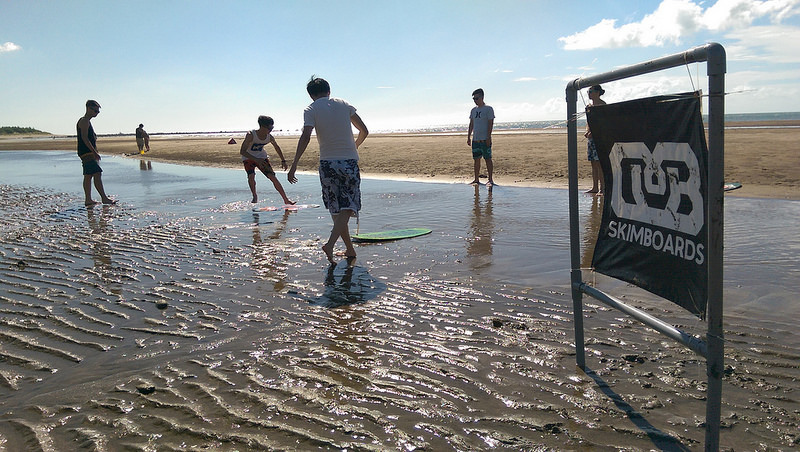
(289, 202)
(594, 190)
(109, 201)
(475, 182)
(490, 183)
(91, 203)
(255, 199)
(328, 253)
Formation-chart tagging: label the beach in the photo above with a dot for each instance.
(763, 157)
(180, 319)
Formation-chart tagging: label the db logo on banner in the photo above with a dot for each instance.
(654, 233)
(660, 188)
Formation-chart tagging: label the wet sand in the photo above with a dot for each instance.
(195, 324)
(764, 159)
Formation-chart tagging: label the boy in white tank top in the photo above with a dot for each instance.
(255, 156)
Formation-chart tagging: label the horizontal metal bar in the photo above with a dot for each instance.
(695, 55)
(696, 345)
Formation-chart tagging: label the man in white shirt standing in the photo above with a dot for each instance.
(338, 159)
(479, 135)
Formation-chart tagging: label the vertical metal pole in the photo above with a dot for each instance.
(574, 224)
(715, 220)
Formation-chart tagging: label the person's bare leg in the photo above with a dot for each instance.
(340, 228)
(277, 184)
(350, 251)
(98, 184)
(595, 178)
(489, 168)
(601, 182)
(251, 182)
(477, 167)
(327, 248)
(87, 190)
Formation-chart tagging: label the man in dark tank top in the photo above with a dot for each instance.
(87, 151)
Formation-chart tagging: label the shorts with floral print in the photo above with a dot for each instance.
(341, 185)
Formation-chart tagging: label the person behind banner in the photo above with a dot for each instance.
(255, 156)
(597, 171)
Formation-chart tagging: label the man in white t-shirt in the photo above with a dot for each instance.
(479, 136)
(338, 159)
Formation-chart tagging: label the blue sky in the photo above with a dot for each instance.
(181, 66)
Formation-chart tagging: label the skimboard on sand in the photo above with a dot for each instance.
(396, 234)
(728, 186)
(285, 207)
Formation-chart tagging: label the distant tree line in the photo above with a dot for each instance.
(14, 130)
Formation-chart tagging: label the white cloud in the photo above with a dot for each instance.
(760, 77)
(526, 79)
(9, 47)
(671, 20)
(772, 43)
(732, 14)
(677, 19)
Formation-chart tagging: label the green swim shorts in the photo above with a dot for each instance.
(481, 149)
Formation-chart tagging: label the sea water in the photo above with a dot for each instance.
(506, 234)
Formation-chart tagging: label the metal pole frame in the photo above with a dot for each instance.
(713, 346)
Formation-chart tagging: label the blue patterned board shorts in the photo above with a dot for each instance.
(481, 149)
(341, 185)
(591, 150)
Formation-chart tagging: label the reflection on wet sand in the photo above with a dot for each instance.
(481, 230)
(346, 284)
(98, 228)
(145, 165)
(269, 258)
(591, 227)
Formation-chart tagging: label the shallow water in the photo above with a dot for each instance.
(181, 319)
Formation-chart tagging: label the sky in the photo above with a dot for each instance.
(191, 66)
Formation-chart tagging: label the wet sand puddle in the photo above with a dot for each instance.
(127, 328)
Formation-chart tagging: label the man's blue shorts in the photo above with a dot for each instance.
(591, 151)
(481, 149)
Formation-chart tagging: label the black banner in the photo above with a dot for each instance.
(653, 234)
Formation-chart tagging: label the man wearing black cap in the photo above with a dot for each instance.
(87, 151)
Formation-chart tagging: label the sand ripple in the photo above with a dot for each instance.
(126, 329)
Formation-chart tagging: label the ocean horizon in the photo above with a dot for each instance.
(552, 125)
(511, 126)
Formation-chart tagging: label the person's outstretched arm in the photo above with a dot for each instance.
(302, 144)
(278, 151)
